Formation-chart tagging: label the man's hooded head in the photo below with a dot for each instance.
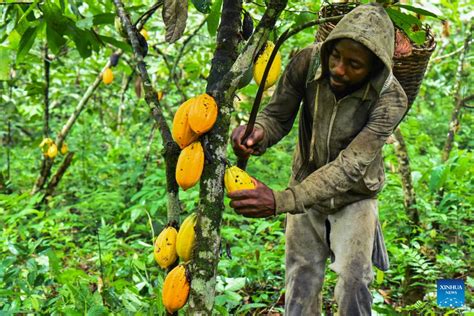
(358, 49)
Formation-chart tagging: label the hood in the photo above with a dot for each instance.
(371, 26)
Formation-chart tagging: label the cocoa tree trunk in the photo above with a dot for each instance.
(226, 71)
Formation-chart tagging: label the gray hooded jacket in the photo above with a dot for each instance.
(338, 157)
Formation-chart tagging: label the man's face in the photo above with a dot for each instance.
(350, 63)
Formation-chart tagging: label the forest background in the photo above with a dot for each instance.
(82, 242)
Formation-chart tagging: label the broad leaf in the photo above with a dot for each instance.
(175, 14)
(417, 10)
(407, 23)
(119, 44)
(202, 6)
(55, 40)
(26, 42)
(213, 18)
(85, 23)
(105, 18)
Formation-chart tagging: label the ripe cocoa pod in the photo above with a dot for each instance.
(261, 63)
(107, 76)
(237, 179)
(164, 249)
(45, 143)
(186, 237)
(202, 114)
(52, 151)
(64, 149)
(182, 133)
(175, 289)
(190, 165)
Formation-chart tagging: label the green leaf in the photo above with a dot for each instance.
(202, 6)
(417, 10)
(104, 18)
(234, 284)
(438, 177)
(407, 23)
(119, 44)
(4, 63)
(86, 23)
(55, 40)
(27, 40)
(379, 277)
(213, 18)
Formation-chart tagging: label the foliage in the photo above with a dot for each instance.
(89, 250)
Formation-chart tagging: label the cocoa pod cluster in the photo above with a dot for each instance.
(193, 118)
(170, 245)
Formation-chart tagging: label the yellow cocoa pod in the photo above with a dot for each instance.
(107, 76)
(52, 151)
(175, 289)
(186, 237)
(46, 141)
(237, 179)
(261, 63)
(182, 133)
(145, 34)
(64, 149)
(202, 114)
(190, 165)
(164, 249)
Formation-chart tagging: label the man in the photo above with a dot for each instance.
(349, 104)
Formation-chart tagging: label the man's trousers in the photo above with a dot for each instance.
(352, 238)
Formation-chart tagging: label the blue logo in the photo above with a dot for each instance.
(450, 293)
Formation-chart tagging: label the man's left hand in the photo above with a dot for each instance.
(256, 203)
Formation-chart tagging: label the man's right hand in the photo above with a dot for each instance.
(244, 150)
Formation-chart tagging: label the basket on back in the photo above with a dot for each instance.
(409, 69)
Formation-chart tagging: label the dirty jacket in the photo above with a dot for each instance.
(338, 158)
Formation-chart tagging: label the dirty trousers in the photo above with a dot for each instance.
(347, 237)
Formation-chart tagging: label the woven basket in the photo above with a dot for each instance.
(409, 70)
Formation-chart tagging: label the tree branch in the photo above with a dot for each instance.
(178, 58)
(53, 183)
(171, 149)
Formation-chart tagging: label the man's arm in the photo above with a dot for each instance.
(349, 167)
(277, 118)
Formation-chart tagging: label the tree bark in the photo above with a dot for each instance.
(53, 183)
(226, 70)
